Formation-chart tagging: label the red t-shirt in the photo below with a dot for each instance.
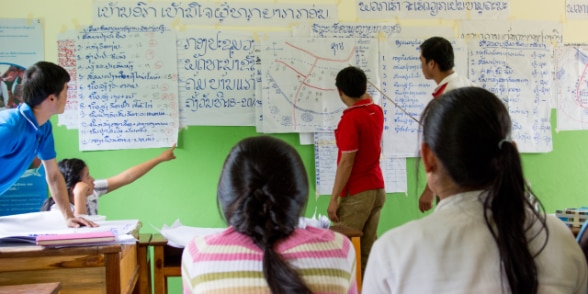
(360, 130)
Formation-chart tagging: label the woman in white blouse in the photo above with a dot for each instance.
(484, 235)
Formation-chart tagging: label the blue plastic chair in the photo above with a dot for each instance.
(581, 232)
(582, 239)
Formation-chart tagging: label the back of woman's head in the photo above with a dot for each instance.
(71, 169)
(262, 191)
(468, 130)
(464, 130)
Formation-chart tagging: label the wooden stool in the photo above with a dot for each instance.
(167, 262)
(144, 283)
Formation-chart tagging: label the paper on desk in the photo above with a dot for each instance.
(52, 222)
(322, 221)
(20, 224)
(178, 235)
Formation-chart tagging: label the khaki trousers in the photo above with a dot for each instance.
(362, 212)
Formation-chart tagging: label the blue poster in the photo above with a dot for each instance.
(21, 47)
(27, 194)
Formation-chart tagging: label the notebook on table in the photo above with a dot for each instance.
(75, 238)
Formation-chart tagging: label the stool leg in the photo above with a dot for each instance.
(159, 280)
(165, 285)
(357, 245)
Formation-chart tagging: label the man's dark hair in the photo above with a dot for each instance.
(352, 81)
(41, 80)
(439, 50)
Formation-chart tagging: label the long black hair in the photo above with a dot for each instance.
(262, 191)
(71, 169)
(468, 129)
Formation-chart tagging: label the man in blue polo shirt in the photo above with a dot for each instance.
(26, 132)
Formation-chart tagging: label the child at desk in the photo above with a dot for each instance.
(84, 190)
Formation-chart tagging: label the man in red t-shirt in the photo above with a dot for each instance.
(358, 193)
(437, 61)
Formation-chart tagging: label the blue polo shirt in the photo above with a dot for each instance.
(21, 139)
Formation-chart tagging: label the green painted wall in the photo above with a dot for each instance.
(185, 188)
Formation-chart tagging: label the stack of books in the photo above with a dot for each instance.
(75, 238)
(47, 228)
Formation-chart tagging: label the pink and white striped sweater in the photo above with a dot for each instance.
(229, 262)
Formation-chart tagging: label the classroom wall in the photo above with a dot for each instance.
(185, 188)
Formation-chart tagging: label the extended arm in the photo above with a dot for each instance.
(59, 193)
(130, 175)
(80, 193)
(341, 176)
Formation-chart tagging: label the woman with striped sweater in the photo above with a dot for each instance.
(262, 192)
